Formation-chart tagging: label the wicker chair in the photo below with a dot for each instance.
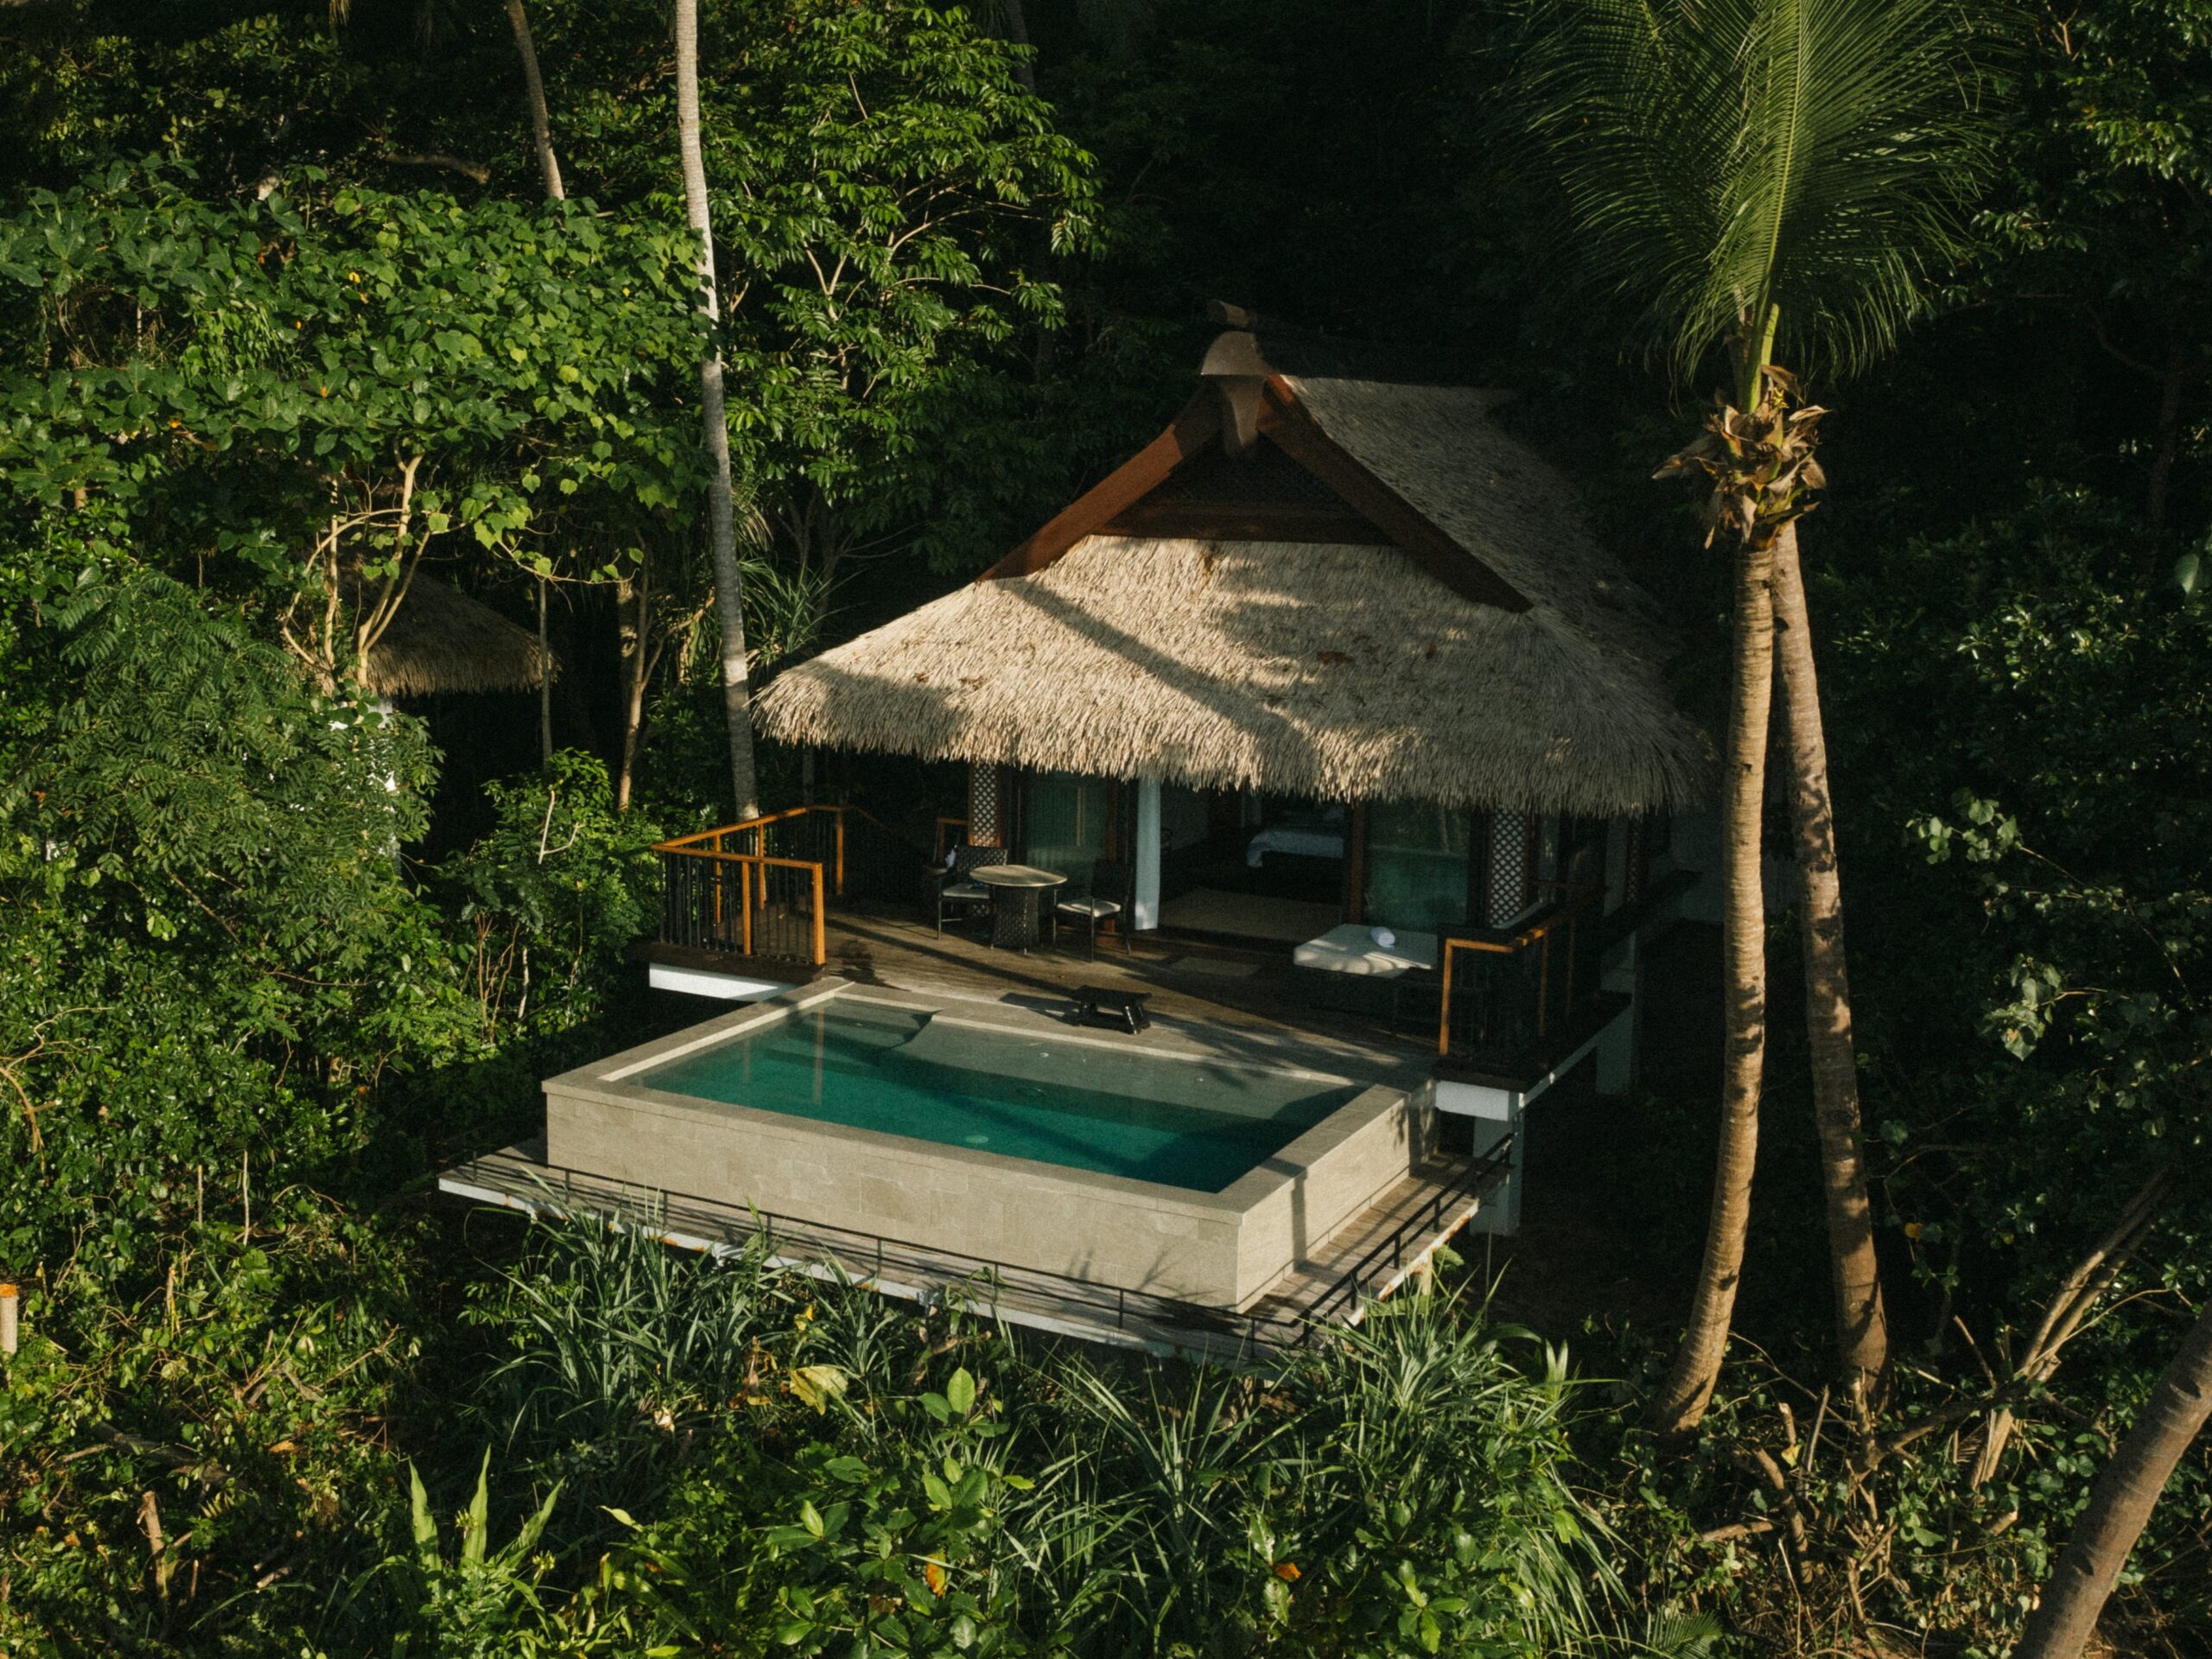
(957, 892)
(1110, 893)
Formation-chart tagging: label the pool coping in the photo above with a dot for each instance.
(1238, 1196)
(1276, 1179)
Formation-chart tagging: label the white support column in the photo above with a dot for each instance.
(1145, 913)
(1501, 1210)
(1618, 1047)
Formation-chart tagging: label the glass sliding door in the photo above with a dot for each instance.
(1417, 865)
(1070, 824)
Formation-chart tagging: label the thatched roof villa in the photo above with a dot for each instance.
(1331, 670)
(1334, 651)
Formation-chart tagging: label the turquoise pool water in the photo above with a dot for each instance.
(1078, 1104)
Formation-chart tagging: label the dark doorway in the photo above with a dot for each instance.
(1250, 867)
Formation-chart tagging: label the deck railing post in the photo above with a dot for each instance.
(1444, 1014)
(745, 889)
(821, 918)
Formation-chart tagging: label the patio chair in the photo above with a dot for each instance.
(1112, 888)
(958, 892)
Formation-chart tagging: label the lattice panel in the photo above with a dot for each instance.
(1512, 866)
(983, 806)
(1636, 871)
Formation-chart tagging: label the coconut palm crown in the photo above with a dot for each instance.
(1728, 162)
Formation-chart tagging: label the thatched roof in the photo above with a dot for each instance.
(1341, 671)
(441, 640)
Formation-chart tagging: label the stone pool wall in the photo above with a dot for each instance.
(1221, 1249)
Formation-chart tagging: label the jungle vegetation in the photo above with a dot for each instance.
(302, 302)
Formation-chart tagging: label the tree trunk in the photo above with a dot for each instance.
(1017, 32)
(1681, 1401)
(545, 682)
(2121, 1502)
(633, 610)
(1862, 1329)
(721, 507)
(541, 125)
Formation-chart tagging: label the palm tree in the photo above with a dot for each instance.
(722, 504)
(1748, 173)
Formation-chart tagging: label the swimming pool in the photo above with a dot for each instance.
(1190, 1161)
(1177, 1122)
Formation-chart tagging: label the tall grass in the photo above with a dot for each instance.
(1403, 1487)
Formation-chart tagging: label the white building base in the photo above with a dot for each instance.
(1497, 1112)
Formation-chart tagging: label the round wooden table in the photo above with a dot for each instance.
(1017, 896)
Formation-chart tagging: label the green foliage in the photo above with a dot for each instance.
(195, 837)
(1721, 160)
(287, 391)
(543, 905)
(477, 1601)
(205, 1428)
(889, 201)
(2062, 810)
(1404, 1491)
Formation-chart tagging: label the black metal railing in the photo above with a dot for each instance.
(1506, 994)
(682, 1218)
(744, 906)
(1385, 1263)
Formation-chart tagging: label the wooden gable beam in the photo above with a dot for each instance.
(1192, 430)
(1285, 421)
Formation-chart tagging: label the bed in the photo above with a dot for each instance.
(1302, 835)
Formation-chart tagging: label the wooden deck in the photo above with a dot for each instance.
(1362, 1261)
(1189, 984)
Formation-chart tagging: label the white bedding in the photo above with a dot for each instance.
(1351, 949)
(1308, 841)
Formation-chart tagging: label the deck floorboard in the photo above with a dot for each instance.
(1189, 982)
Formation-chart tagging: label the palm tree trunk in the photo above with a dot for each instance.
(1862, 1328)
(721, 507)
(1681, 1401)
(541, 125)
(2121, 1502)
(545, 682)
(633, 613)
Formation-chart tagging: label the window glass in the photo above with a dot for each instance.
(1068, 820)
(1417, 865)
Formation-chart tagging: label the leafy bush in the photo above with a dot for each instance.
(542, 906)
(799, 1456)
(213, 954)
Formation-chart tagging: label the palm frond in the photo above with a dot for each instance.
(1720, 157)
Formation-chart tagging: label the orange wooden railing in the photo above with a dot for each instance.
(703, 903)
(1552, 936)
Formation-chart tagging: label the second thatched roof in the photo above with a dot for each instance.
(440, 640)
(1336, 671)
